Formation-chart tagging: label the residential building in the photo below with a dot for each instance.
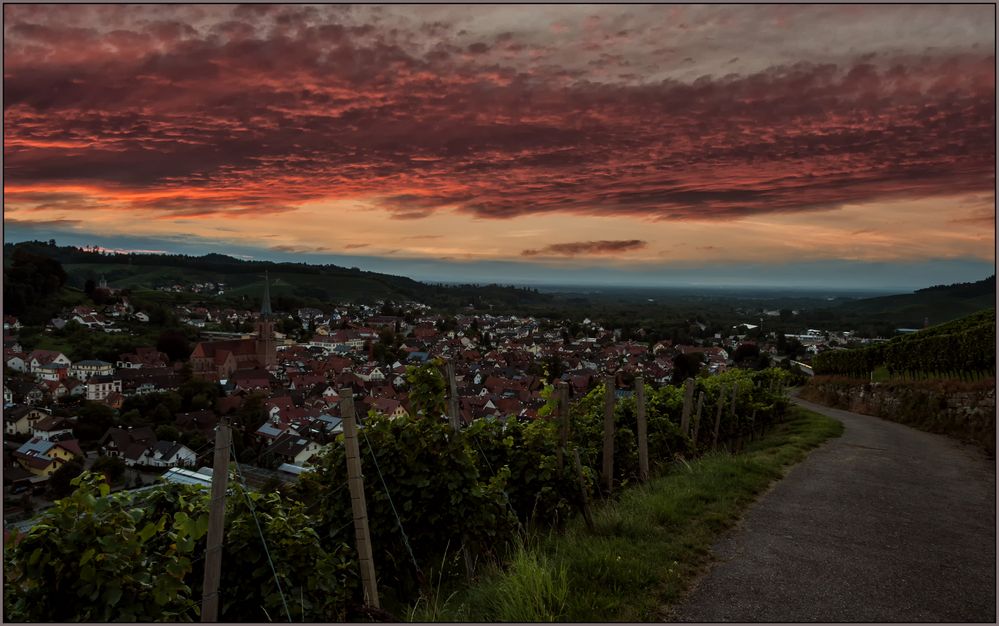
(83, 370)
(42, 457)
(100, 387)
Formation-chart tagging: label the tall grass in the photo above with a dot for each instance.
(646, 547)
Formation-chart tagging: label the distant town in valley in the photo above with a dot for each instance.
(137, 377)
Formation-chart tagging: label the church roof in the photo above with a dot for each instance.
(235, 346)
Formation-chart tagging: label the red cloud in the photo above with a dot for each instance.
(239, 118)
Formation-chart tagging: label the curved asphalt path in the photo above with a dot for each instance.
(884, 524)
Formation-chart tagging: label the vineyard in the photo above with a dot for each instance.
(963, 349)
(434, 495)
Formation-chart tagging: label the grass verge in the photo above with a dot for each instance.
(646, 548)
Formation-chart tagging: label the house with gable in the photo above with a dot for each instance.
(51, 372)
(132, 445)
(272, 429)
(20, 420)
(52, 428)
(142, 357)
(290, 447)
(40, 358)
(390, 407)
(15, 361)
(43, 458)
(172, 454)
(323, 428)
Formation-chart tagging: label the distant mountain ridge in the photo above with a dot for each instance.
(329, 283)
(965, 290)
(292, 282)
(936, 304)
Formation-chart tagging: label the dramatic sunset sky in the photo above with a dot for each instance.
(849, 145)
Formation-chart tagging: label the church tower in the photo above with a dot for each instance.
(266, 345)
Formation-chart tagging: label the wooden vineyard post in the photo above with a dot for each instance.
(454, 413)
(454, 417)
(643, 430)
(358, 504)
(752, 426)
(562, 391)
(688, 404)
(608, 469)
(731, 412)
(697, 418)
(216, 525)
(718, 414)
(585, 501)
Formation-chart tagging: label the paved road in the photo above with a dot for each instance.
(884, 524)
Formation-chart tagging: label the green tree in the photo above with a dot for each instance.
(93, 421)
(167, 432)
(161, 415)
(174, 344)
(103, 560)
(746, 352)
(60, 481)
(687, 366)
(112, 467)
(427, 389)
(435, 488)
(137, 557)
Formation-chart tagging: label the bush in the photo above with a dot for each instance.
(435, 487)
(112, 467)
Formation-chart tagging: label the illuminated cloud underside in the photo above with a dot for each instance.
(442, 132)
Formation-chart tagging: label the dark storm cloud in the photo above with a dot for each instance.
(261, 108)
(576, 248)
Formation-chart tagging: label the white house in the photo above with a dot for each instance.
(52, 428)
(21, 420)
(172, 454)
(39, 358)
(296, 449)
(16, 362)
(84, 370)
(100, 387)
(52, 372)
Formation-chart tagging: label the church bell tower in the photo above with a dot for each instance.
(266, 344)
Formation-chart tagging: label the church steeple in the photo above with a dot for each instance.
(265, 344)
(265, 306)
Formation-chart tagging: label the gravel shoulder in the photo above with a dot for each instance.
(884, 524)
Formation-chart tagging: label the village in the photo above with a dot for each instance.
(152, 416)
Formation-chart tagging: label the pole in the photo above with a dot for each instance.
(563, 415)
(688, 404)
(582, 490)
(643, 431)
(216, 525)
(452, 401)
(718, 414)
(455, 418)
(608, 469)
(358, 504)
(697, 418)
